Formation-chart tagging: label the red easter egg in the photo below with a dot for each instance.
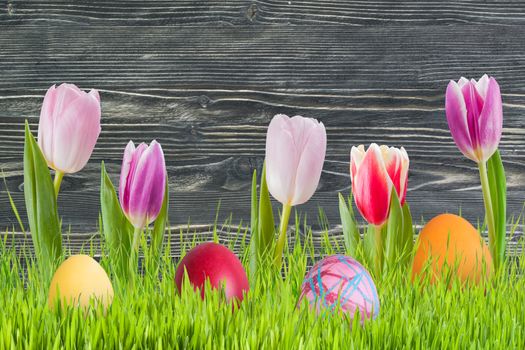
(218, 264)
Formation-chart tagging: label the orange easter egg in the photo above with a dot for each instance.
(449, 243)
(78, 280)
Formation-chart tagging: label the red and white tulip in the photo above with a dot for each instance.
(374, 172)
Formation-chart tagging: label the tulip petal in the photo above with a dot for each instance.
(46, 124)
(311, 161)
(356, 158)
(456, 111)
(405, 163)
(372, 187)
(300, 128)
(491, 121)
(147, 186)
(392, 159)
(281, 158)
(127, 161)
(133, 156)
(76, 134)
(462, 81)
(66, 95)
(95, 94)
(474, 104)
(482, 86)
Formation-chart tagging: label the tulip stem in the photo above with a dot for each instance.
(489, 212)
(59, 175)
(134, 249)
(378, 242)
(285, 217)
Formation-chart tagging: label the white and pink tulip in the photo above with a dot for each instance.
(69, 127)
(295, 152)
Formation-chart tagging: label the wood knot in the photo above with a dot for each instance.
(10, 8)
(244, 167)
(251, 12)
(204, 101)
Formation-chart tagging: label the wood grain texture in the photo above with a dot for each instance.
(204, 79)
(245, 12)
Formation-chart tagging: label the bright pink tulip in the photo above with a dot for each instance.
(142, 183)
(295, 151)
(475, 116)
(373, 174)
(69, 127)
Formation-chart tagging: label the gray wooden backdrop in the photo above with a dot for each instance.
(204, 78)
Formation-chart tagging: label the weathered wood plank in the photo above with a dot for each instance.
(330, 62)
(208, 93)
(243, 12)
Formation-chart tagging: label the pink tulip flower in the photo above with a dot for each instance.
(475, 116)
(69, 127)
(295, 152)
(142, 183)
(373, 174)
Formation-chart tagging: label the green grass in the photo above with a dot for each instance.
(154, 316)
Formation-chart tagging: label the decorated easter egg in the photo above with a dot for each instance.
(216, 263)
(340, 281)
(450, 244)
(77, 281)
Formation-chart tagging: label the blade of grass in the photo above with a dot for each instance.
(350, 229)
(13, 205)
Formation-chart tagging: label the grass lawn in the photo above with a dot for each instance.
(152, 315)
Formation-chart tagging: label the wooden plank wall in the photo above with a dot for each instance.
(204, 78)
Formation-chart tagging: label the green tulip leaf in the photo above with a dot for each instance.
(369, 245)
(350, 229)
(395, 236)
(265, 223)
(498, 195)
(116, 229)
(41, 206)
(408, 234)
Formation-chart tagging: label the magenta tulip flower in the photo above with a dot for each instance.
(142, 183)
(295, 152)
(373, 174)
(475, 116)
(69, 127)
(475, 119)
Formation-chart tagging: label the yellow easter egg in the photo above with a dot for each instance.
(450, 242)
(77, 281)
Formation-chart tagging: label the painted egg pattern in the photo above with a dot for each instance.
(341, 280)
